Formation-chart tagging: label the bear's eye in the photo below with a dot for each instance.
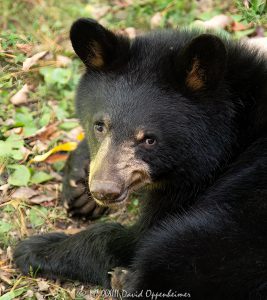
(99, 128)
(149, 141)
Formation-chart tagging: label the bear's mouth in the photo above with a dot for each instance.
(115, 202)
(124, 196)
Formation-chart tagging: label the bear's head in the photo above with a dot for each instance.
(156, 110)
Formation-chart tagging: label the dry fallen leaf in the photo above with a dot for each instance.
(16, 130)
(156, 20)
(39, 296)
(9, 253)
(71, 230)
(21, 96)
(26, 152)
(44, 133)
(24, 193)
(75, 134)
(9, 122)
(38, 146)
(92, 297)
(4, 187)
(72, 293)
(80, 136)
(236, 26)
(246, 4)
(25, 48)
(28, 294)
(63, 61)
(219, 21)
(98, 11)
(43, 286)
(4, 277)
(70, 146)
(30, 61)
(41, 199)
(131, 32)
(56, 157)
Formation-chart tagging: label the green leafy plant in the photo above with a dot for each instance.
(11, 148)
(254, 11)
(13, 294)
(37, 216)
(20, 176)
(40, 177)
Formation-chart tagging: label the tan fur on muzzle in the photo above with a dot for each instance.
(119, 165)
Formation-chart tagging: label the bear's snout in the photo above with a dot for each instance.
(106, 191)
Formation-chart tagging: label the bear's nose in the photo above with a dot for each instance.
(105, 190)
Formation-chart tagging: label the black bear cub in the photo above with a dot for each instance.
(181, 115)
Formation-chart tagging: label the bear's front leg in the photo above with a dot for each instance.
(37, 254)
(76, 196)
(86, 256)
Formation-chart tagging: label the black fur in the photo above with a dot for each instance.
(203, 227)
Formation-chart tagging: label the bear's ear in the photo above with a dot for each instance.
(201, 63)
(96, 46)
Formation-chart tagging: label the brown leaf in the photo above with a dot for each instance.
(24, 193)
(39, 296)
(28, 294)
(5, 278)
(219, 21)
(236, 26)
(131, 32)
(72, 293)
(29, 62)
(41, 199)
(43, 286)
(98, 11)
(16, 130)
(75, 134)
(21, 96)
(2, 289)
(156, 20)
(38, 146)
(72, 230)
(63, 61)
(44, 133)
(57, 157)
(9, 253)
(4, 187)
(25, 48)
(9, 122)
(246, 4)
(26, 152)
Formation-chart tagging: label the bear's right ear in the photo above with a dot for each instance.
(96, 46)
(201, 64)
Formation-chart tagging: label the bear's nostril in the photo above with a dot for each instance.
(105, 190)
(106, 197)
(99, 196)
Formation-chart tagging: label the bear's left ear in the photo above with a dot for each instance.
(96, 46)
(201, 63)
